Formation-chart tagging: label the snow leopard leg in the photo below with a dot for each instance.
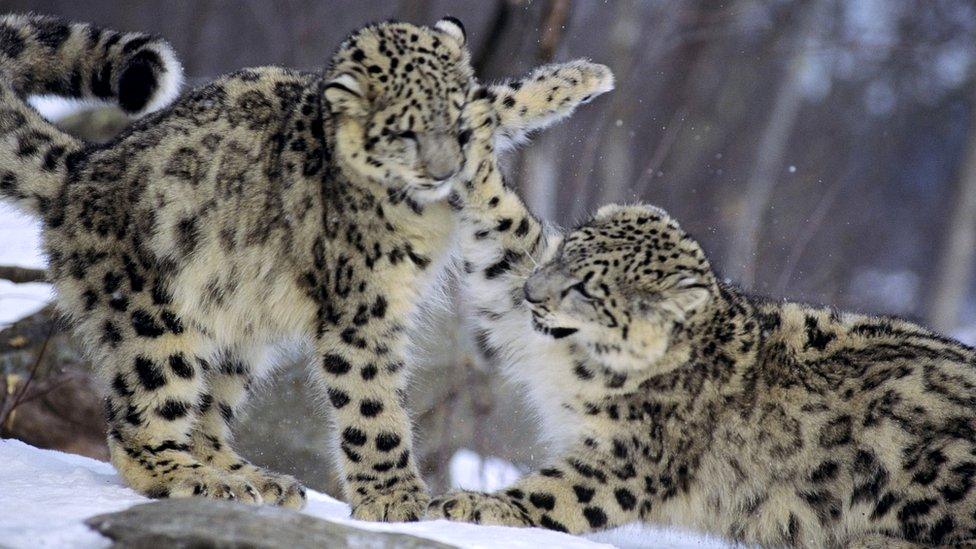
(153, 365)
(363, 378)
(229, 382)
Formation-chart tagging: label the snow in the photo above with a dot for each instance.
(470, 471)
(45, 496)
(20, 245)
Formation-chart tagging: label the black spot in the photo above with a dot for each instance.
(149, 374)
(120, 303)
(354, 436)
(337, 398)
(523, 227)
(120, 386)
(549, 523)
(503, 265)
(941, 529)
(836, 432)
(353, 456)
(551, 473)
(52, 33)
(824, 472)
(583, 494)
(884, 505)
(205, 403)
(817, 338)
(543, 500)
(916, 508)
(368, 372)
(509, 101)
(559, 333)
(133, 416)
(383, 466)
(825, 504)
(145, 325)
(370, 408)
(625, 499)
(595, 516)
(138, 81)
(226, 412)
(335, 364)
(187, 235)
(379, 307)
(11, 44)
(387, 441)
(180, 366)
(172, 322)
(173, 409)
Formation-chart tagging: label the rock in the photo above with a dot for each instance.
(185, 523)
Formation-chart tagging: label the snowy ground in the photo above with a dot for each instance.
(45, 496)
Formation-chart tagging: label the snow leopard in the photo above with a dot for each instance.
(671, 397)
(268, 205)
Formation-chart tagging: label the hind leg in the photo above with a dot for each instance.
(153, 367)
(229, 382)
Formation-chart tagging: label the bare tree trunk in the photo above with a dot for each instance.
(955, 271)
(616, 162)
(744, 249)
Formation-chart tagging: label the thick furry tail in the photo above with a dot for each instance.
(48, 56)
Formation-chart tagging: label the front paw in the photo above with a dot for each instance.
(479, 508)
(594, 79)
(279, 489)
(404, 505)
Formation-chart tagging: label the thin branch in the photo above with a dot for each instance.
(20, 275)
(7, 413)
(554, 29)
(499, 21)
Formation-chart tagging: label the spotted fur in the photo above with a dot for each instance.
(268, 205)
(673, 398)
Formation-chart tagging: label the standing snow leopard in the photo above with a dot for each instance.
(673, 398)
(268, 204)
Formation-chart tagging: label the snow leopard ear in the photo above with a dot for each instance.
(345, 95)
(453, 27)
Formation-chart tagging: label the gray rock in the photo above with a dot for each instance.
(199, 523)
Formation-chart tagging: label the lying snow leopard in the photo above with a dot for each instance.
(674, 398)
(268, 204)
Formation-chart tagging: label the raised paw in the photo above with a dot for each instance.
(585, 78)
(278, 489)
(479, 508)
(214, 485)
(405, 505)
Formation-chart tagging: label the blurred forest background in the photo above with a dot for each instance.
(823, 150)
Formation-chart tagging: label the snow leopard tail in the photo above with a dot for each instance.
(42, 55)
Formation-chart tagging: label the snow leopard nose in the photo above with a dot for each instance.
(441, 154)
(544, 285)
